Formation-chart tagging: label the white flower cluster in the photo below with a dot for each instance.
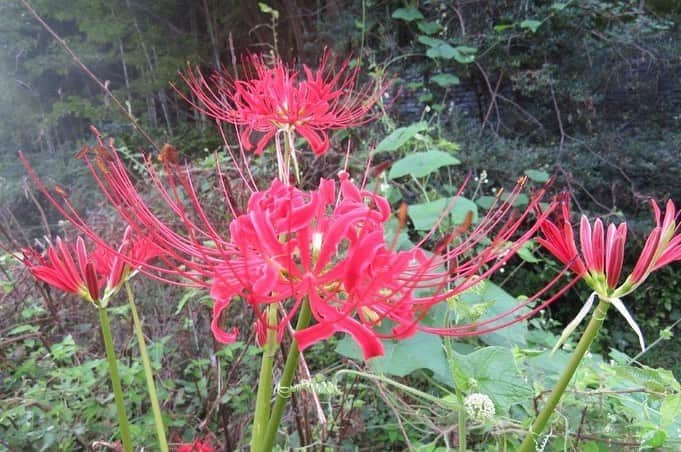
(479, 407)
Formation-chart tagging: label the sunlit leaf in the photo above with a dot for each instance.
(425, 215)
(428, 28)
(408, 14)
(530, 24)
(419, 164)
(445, 80)
(400, 136)
(537, 175)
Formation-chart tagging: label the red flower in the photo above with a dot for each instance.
(277, 98)
(602, 256)
(331, 250)
(602, 252)
(58, 268)
(93, 276)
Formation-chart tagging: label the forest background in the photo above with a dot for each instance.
(588, 91)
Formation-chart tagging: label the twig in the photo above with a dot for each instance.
(28, 192)
(89, 73)
(493, 98)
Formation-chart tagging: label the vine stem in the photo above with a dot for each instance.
(115, 380)
(424, 396)
(148, 373)
(582, 346)
(262, 401)
(286, 379)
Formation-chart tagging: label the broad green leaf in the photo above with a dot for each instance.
(653, 439)
(444, 51)
(408, 14)
(446, 80)
(419, 164)
(537, 175)
(546, 367)
(400, 136)
(558, 6)
(425, 215)
(496, 300)
(421, 351)
(428, 28)
(494, 373)
(654, 379)
(530, 24)
(430, 42)
(670, 410)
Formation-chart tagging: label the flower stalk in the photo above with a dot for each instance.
(583, 345)
(262, 401)
(286, 379)
(115, 380)
(148, 372)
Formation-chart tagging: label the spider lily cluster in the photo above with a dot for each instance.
(326, 246)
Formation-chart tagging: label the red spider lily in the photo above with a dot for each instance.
(326, 247)
(331, 250)
(277, 98)
(602, 255)
(93, 276)
(59, 269)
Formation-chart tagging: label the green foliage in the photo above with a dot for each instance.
(404, 357)
(399, 137)
(426, 215)
(419, 164)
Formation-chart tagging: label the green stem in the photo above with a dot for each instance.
(458, 391)
(148, 373)
(584, 343)
(415, 392)
(462, 420)
(286, 379)
(262, 401)
(115, 380)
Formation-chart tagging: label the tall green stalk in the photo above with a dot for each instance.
(262, 401)
(458, 391)
(286, 379)
(148, 373)
(582, 346)
(115, 380)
